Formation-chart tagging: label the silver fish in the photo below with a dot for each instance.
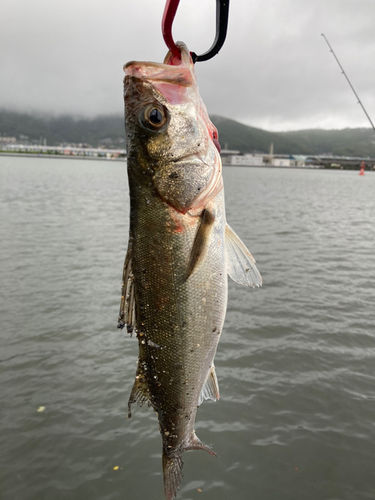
(180, 250)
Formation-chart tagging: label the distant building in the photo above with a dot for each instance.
(66, 151)
(247, 159)
(7, 140)
(226, 152)
(281, 162)
(298, 160)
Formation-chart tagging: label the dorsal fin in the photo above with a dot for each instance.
(140, 393)
(127, 306)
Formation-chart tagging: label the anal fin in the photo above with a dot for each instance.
(210, 388)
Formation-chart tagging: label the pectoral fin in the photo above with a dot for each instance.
(211, 388)
(201, 241)
(127, 307)
(241, 264)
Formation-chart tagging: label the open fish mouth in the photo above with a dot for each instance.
(159, 72)
(173, 70)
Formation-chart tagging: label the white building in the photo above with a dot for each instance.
(281, 162)
(299, 160)
(246, 160)
(7, 140)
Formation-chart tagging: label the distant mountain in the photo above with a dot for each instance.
(108, 131)
(235, 135)
(347, 142)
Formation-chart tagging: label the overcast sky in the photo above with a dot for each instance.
(275, 70)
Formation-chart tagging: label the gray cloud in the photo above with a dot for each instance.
(275, 70)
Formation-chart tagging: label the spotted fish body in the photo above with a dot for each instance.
(180, 251)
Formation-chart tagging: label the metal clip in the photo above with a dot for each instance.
(222, 13)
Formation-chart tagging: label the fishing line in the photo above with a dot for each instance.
(346, 76)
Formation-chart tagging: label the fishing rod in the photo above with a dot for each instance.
(343, 72)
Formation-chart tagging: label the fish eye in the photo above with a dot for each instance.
(153, 117)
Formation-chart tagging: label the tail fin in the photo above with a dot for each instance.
(172, 471)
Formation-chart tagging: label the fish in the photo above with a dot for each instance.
(180, 251)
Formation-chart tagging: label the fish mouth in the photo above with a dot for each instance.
(159, 72)
(177, 71)
(174, 79)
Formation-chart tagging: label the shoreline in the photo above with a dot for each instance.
(65, 157)
(123, 159)
(72, 157)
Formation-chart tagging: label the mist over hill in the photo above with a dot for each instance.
(108, 131)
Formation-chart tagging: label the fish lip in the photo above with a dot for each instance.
(150, 64)
(155, 73)
(192, 156)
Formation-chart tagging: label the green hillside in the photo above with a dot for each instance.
(235, 135)
(108, 131)
(102, 130)
(347, 142)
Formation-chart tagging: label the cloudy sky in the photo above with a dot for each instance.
(275, 70)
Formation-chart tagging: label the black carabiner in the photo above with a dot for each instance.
(222, 13)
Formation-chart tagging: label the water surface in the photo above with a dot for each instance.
(296, 362)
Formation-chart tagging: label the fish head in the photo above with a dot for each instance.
(170, 137)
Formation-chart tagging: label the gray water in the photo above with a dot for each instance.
(296, 362)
